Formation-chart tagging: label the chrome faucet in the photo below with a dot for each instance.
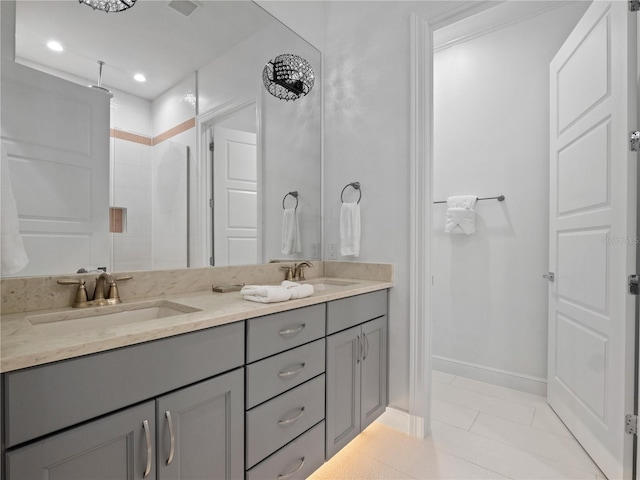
(298, 270)
(102, 281)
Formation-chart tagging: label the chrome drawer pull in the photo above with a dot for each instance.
(293, 472)
(172, 448)
(291, 373)
(292, 331)
(289, 421)
(147, 436)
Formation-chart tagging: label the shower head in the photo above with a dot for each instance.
(99, 85)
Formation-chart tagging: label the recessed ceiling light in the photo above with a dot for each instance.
(139, 77)
(55, 46)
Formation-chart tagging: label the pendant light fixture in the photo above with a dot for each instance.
(288, 77)
(109, 5)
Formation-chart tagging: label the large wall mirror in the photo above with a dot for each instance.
(200, 157)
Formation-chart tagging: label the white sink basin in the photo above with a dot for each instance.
(64, 323)
(324, 283)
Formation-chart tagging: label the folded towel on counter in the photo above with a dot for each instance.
(276, 293)
(265, 294)
(461, 216)
(350, 229)
(13, 255)
(290, 232)
(298, 290)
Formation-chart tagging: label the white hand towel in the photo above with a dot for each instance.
(350, 229)
(290, 232)
(461, 216)
(266, 293)
(13, 256)
(298, 290)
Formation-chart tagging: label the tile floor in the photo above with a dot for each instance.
(479, 431)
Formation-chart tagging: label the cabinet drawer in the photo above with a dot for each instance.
(280, 420)
(276, 333)
(45, 399)
(274, 375)
(296, 461)
(348, 312)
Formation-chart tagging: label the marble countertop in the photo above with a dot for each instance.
(24, 345)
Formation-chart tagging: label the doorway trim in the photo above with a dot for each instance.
(202, 191)
(420, 195)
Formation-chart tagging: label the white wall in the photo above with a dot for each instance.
(304, 18)
(491, 123)
(366, 139)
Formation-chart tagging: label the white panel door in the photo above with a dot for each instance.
(235, 195)
(56, 134)
(593, 233)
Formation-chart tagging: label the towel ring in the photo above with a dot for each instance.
(294, 195)
(356, 186)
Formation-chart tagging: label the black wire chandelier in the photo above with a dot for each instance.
(288, 77)
(109, 5)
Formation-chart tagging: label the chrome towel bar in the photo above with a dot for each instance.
(500, 198)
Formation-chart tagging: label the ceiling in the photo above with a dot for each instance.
(150, 38)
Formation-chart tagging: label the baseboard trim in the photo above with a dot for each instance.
(397, 419)
(495, 376)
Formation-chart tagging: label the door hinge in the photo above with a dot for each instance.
(211, 261)
(211, 203)
(631, 424)
(634, 5)
(634, 139)
(634, 284)
(211, 145)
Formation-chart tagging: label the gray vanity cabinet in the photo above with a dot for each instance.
(96, 417)
(356, 368)
(117, 446)
(201, 430)
(285, 399)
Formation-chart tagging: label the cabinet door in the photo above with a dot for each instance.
(117, 446)
(343, 389)
(207, 423)
(373, 392)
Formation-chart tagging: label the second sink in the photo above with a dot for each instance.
(64, 323)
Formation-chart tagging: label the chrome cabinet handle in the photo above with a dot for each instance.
(358, 348)
(291, 373)
(292, 331)
(147, 435)
(172, 447)
(292, 472)
(366, 344)
(289, 421)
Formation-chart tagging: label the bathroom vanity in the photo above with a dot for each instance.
(256, 392)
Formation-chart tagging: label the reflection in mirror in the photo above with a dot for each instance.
(193, 163)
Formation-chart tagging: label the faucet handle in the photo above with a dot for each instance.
(288, 274)
(81, 299)
(114, 295)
